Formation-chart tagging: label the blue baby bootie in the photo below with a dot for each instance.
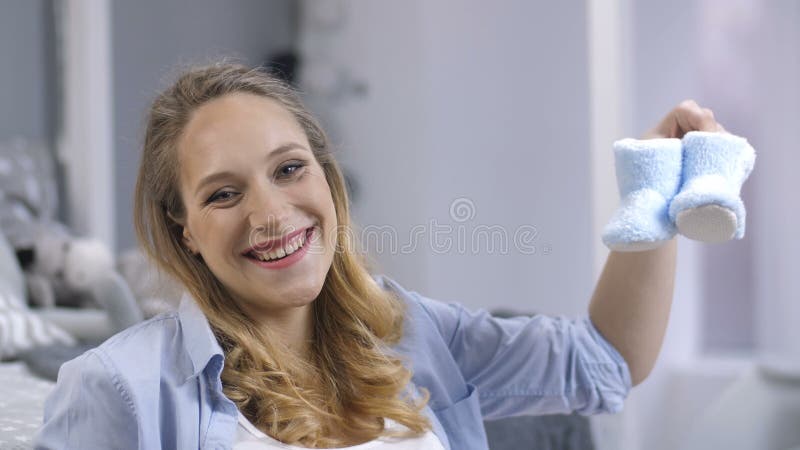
(708, 207)
(648, 176)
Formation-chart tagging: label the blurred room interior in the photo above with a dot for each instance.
(438, 106)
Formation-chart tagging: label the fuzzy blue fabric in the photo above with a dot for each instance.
(708, 207)
(648, 176)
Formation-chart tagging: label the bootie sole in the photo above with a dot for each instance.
(710, 223)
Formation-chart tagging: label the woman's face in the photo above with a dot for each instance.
(247, 178)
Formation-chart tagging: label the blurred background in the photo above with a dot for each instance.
(468, 115)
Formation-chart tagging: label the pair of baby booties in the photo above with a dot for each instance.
(689, 186)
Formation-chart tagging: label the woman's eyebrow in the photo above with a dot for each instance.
(212, 178)
(281, 149)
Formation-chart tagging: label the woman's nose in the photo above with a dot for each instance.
(268, 210)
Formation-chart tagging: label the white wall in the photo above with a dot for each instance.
(478, 102)
(467, 100)
(491, 103)
(776, 218)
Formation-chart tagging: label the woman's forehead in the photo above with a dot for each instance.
(240, 116)
(236, 126)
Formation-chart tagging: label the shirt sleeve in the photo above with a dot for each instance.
(532, 365)
(88, 409)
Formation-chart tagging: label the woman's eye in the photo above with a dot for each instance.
(290, 169)
(221, 196)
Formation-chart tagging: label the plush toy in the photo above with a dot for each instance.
(64, 265)
(60, 268)
(689, 186)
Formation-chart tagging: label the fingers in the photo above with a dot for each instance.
(692, 117)
(710, 114)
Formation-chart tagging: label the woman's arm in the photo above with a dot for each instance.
(631, 303)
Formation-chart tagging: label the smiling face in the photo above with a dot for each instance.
(248, 176)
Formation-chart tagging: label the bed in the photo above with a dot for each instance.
(22, 396)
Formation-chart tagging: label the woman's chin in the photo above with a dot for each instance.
(300, 293)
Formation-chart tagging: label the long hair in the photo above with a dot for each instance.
(353, 382)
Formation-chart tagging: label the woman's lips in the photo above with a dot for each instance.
(267, 246)
(286, 261)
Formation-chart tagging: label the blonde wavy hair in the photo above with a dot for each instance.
(354, 381)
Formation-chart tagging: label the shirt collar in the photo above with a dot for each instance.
(198, 339)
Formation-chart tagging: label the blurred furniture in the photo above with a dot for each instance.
(553, 432)
(760, 411)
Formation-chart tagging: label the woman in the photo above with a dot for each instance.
(284, 335)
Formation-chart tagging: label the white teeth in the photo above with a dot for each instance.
(288, 249)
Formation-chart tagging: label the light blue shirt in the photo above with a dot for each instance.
(157, 384)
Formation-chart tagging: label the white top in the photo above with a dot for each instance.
(248, 437)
